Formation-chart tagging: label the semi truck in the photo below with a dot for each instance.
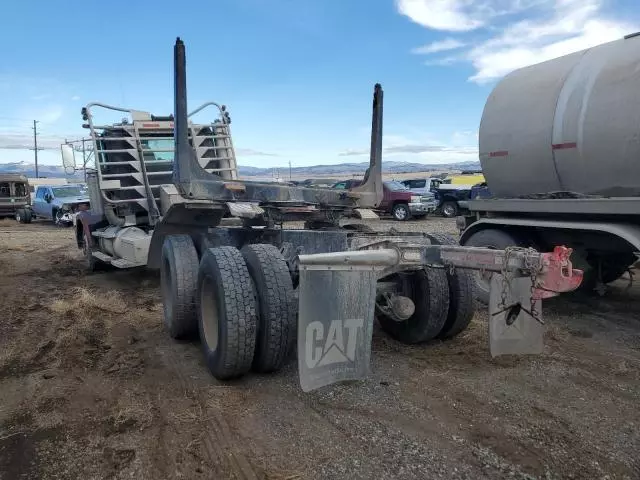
(559, 145)
(160, 189)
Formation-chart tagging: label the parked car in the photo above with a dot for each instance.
(59, 203)
(15, 197)
(451, 198)
(398, 201)
(316, 183)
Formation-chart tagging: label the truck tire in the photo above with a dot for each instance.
(429, 291)
(23, 215)
(461, 304)
(612, 268)
(55, 218)
(401, 212)
(92, 263)
(494, 239)
(276, 310)
(227, 313)
(612, 271)
(449, 209)
(178, 282)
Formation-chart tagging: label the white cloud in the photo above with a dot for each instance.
(75, 98)
(506, 39)
(460, 15)
(463, 147)
(439, 46)
(445, 61)
(245, 152)
(448, 15)
(23, 141)
(572, 27)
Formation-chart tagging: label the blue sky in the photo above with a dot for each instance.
(297, 75)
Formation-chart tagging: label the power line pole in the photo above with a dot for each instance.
(289, 170)
(35, 144)
(84, 161)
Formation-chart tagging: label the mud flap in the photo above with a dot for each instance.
(517, 335)
(335, 325)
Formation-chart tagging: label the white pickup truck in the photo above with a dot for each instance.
(451, 198)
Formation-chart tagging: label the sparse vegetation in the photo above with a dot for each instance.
(81, 302)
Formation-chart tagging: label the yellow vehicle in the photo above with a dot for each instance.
(465, 179)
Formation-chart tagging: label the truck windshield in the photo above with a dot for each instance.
(155, 147)
(62, 192)
(21, 190)
(395, 186)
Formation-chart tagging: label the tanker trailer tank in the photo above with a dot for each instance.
(571, 124)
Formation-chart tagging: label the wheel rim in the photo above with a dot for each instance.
(449, 210)
(404, 285)
(18, 217)
(401, 213)
(209, 313)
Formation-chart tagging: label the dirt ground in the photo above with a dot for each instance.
(91, 387)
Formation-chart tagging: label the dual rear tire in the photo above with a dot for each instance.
(443, 302)
(240, 302)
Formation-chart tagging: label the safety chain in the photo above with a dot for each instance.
(530, 263)
(531, 259)
(506, 275)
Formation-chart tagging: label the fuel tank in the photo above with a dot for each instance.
(571, 124)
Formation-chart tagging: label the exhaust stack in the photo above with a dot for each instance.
(184, 155)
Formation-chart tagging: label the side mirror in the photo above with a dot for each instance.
(47, 197)
(68, 158)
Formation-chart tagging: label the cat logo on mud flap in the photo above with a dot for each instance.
(338, 346)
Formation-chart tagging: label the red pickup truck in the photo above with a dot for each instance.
(398, 201)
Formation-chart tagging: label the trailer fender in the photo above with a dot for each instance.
(628, 232)
(192, 219)
(87, 221)
(161, 231)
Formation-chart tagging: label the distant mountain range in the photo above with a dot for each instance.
(357, 168)
(54, 171)
(44, 171)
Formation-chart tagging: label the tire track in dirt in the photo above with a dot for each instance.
(221, 445)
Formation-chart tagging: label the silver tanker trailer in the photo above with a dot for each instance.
(559, 146)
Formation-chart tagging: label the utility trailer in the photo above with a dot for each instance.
(247, 292)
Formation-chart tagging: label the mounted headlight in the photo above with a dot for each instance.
(416, 199)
